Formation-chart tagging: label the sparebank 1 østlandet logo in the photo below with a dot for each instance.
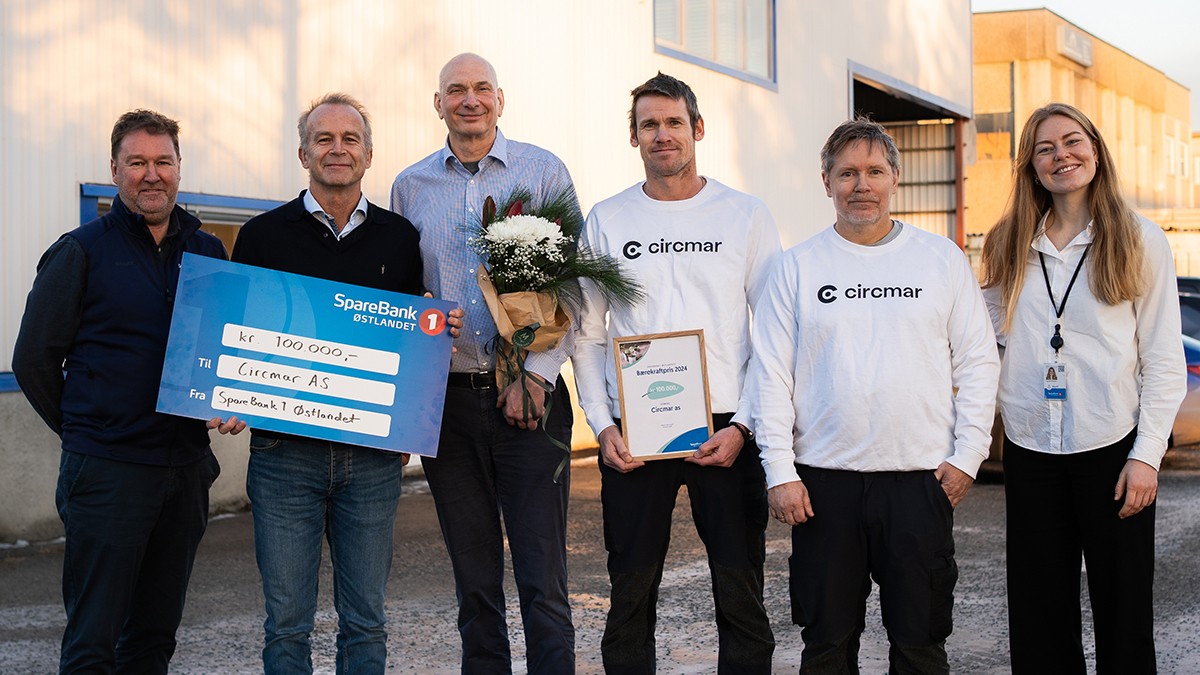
(633, 249)
(380, 307)
(828, 293)
(432, 321)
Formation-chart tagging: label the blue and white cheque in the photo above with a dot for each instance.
(305, 356)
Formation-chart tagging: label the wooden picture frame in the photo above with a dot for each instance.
(662, 386)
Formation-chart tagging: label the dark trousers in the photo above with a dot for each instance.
(1060, 508)
(486, 471)
(894, 526)
(729, 506)
(131, 536)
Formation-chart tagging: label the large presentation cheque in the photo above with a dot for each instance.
(306, 356)
(662, 380)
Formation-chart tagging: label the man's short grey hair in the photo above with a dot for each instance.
(335, 98)
(859, 129)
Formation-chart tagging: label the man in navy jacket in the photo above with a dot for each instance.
(133, 483)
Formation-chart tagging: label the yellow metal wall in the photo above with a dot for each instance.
(1140, 111)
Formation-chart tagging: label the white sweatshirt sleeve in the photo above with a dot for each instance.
(591, 345)
(770, 380)
(975, 370)
(761, 254)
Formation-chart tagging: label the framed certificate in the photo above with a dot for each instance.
(662, 384)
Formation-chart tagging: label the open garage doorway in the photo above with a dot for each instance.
(929, 133)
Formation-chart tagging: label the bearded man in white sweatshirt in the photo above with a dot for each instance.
(873, 379)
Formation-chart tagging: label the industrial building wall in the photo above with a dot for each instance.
(237, 73)
(1027, 58)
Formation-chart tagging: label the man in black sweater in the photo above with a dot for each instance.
(302, 489)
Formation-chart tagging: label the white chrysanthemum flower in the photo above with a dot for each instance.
(525, 231)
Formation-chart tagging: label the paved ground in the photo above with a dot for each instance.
(222, 625)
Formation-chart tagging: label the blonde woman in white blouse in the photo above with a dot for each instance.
(1082, 295)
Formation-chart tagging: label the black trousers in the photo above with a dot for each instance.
(487, 473)
(132, 531)
(729, 506)
(1060, 509)
(894, 526)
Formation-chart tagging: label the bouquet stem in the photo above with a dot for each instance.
(519, 321)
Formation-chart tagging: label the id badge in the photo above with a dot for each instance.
(1054, 381)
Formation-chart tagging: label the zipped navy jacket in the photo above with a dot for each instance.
(100, 310)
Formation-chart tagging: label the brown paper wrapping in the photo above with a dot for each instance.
(514, 311)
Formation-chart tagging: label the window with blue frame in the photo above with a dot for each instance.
(735, 37)
(219, 215)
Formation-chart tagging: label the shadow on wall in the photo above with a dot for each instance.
(29, 456)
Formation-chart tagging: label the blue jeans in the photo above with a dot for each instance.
(301, 490)
(131, 536)
(486, 470)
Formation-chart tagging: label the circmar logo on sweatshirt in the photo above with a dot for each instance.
(633, 249)
(828, 293)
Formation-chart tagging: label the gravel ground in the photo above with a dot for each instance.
(222, 631)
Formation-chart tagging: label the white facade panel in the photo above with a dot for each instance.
(237, 73)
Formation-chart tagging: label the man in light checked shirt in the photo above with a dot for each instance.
(493, 461)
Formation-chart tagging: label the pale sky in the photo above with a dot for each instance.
(1162, 33)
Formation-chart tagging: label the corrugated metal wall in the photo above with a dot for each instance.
(926, 195)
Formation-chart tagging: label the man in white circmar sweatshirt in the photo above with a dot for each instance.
(873, 380)
(703, 253)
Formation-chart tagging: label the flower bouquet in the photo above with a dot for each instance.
(532, 273)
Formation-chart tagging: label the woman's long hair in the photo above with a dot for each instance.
(1116, 259)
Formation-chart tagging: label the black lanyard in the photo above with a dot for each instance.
(1056, 341)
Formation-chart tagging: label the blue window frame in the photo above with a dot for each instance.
(92, 194)
(221, 216)
(734, 37)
